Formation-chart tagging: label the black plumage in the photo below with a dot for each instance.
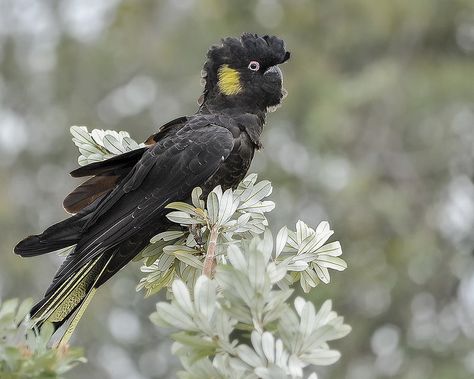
(122, 206)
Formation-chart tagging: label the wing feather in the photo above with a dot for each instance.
(167, 172)
(107, 174)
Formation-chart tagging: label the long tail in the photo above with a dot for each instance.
(70, 300)
(58, 236)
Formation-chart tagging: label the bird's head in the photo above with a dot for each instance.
(243, 72)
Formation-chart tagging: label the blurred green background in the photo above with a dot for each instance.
(376, 136)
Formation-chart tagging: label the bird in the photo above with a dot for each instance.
(116, 212)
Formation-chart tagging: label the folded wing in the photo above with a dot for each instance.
(167, 172)
(109, 173)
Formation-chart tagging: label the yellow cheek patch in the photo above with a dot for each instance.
(229, 80)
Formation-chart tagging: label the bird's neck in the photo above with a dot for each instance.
(251, 120)
(219, 103)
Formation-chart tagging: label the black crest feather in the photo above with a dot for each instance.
(237, 52)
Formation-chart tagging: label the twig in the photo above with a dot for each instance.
(210, 260)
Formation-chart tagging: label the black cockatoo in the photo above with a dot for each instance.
(118, 210)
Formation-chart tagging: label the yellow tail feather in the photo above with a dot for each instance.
(58, 300)
(80, 312)
(74, 295)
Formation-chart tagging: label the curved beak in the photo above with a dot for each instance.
(275, 72)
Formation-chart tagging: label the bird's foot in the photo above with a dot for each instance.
(195, 230)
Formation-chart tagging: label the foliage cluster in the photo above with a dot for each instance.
(229, 287)
(25, 354)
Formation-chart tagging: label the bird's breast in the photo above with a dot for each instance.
(233, 169)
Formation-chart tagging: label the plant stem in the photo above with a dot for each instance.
(210, 260)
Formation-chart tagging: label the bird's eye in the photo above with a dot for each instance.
(254, 66)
